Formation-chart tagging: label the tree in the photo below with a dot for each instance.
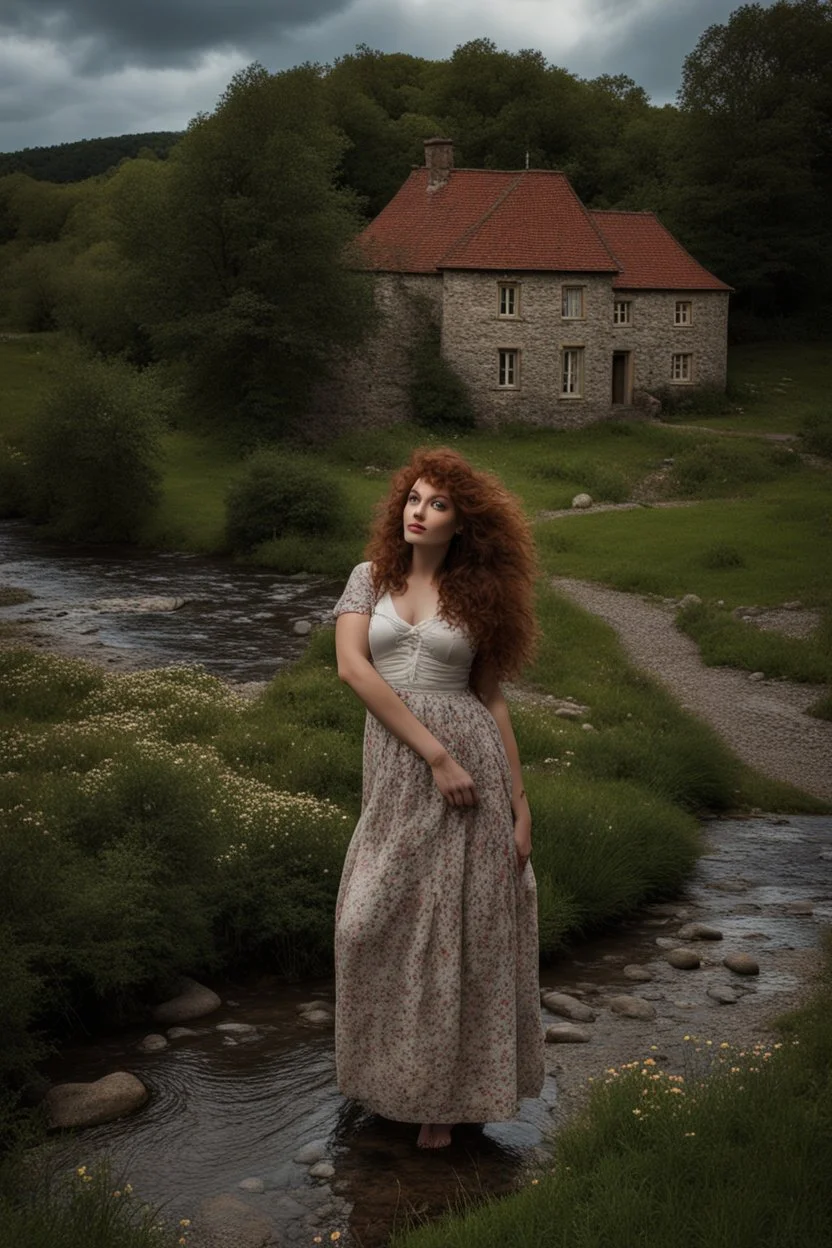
(755, 169)
(241, 248)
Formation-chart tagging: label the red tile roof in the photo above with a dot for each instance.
(485, 219)
(527, 220)
(648, 255)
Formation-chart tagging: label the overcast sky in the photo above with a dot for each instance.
(77, 69)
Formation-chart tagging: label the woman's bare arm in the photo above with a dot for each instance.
(491, 695)
(355, 668)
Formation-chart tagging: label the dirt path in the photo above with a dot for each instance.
(765, 723)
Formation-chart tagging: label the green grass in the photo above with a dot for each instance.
(773, 386)
(783, 535)
(734, 1154)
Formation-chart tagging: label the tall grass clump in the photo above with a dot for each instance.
(89, 1207)
(277, 495)
(816, 433)
(675, 1160)
(94, 451)
(715, 468)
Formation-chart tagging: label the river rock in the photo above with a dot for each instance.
(632, 1007)
(567, 1033)
(226, 1222)
(666, 942)
(568, 712)
(192, 1001)
(179, 1033)
(723, 994)
(757, 677)
(238, 1029)
(307, 1006)
(582, 501)
(88, 1104)
(741, 964)
(311, 1153)
(252, 1185)
(637, 974)
(316, 1016)
(567, 1007)
(798, 908)
(152, 1044)
(699, 931)
(139, 604)
(322, 1170)
(683, 959)
(302, 628)
(690, 600)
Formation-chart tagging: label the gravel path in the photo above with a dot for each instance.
(765, 723)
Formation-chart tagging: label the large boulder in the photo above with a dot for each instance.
(193, 1000)
(88, 1104)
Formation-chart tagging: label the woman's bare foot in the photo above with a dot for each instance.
(435, 1135)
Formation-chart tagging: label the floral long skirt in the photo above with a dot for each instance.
(436, 951)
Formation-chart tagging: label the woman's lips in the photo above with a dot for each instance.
(415, 528)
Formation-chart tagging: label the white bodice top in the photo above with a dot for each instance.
(430, 656)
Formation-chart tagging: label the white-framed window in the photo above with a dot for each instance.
(572, 373)
(683, 314)
(508, 369)
(681, 367)
(508, 299)
(622, 312)
(572, 303)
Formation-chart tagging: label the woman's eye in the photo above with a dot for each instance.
(440, 506)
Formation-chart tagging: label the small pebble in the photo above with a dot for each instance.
(252, 1185)
(322, 1170)
(311, 1153)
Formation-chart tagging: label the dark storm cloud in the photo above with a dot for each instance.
(162, 32)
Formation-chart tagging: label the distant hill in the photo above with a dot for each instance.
(72, 162)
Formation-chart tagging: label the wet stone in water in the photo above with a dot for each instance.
(683, 959)
(699, 931)
(632, 1007)
(567, 1033)
(741, 964)
(637, 974)
(312, 1152)
(723, 994)
(567, 1007)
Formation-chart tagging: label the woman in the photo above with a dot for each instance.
(437, 1014)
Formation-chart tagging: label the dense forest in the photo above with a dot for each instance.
(229, 258)
(72, 162)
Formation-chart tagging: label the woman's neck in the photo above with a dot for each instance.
(426, 562)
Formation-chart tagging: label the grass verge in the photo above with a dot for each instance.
(734, 1154)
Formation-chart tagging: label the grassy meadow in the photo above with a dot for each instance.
(158, 823)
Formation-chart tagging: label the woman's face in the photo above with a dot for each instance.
(430, 517)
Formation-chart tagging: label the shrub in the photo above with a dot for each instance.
(716, 467)
(439, 397)
(816, 433)
(722, 555)
(682, 402)
(94, 451)
(12, 481)
(277, 495)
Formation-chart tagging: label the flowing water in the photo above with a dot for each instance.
(237, 1099)
(237, 621)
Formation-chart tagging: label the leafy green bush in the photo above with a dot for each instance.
(816, 433)
(94, 451)
(722, 555)
(277, 495)
(439, 397)
(683, 402)
(12, 481)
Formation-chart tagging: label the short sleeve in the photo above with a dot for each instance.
(358, 594)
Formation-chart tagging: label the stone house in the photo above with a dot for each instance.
(550, 312)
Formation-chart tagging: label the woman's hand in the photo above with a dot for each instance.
(453, 781)
(523, 835)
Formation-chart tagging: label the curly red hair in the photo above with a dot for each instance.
(487, 579)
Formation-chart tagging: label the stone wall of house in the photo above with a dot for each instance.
(370, 387)
(474, 332)
(654, 338)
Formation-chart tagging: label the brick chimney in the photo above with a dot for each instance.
(439, 159)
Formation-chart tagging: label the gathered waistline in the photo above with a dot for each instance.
(446, 693)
